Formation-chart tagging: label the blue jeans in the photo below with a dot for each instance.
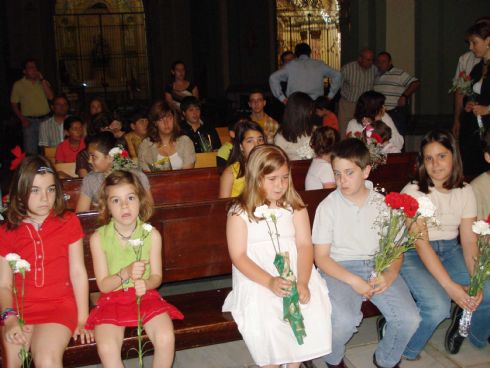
(30, 135)
(396, 304)
(432, 300)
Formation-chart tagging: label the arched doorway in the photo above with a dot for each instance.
(315, 22)
(101, 49)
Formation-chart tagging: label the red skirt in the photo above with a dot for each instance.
(62, 311)
(119, 308)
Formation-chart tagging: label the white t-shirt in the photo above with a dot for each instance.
(466, 62)
(320, 172)
(300, 150)
(451, 208)
(396, 139)
(349, 229)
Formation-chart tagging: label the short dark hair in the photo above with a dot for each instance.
(322, 103)
(302, 49)
(284, 54)
(99, 121)
(104, 141)
(446, 139)
(177, 62)
(137, 114)
(385, 53)
(323, 139)
(189, 101)
(369, 105)
(481, 30)
(70, 120)
(28, 60)
(354, 150)
(256, 90)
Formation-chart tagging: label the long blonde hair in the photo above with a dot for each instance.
(263, 160)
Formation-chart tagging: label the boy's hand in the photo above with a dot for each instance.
(140, 287)
(362, 287)
(279, 286)
(304, 293)
(381, 283)
(460, 296)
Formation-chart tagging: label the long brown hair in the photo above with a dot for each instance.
(263, 160)
(446, 139)
(119, 177)
(159, 110)
(21, 185)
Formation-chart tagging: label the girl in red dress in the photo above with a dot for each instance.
(56, 288)
(122, 276)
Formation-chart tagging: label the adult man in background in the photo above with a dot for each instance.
(29, 101)
(305, 75)
(357, 77)
(51, 132)
(397, 86)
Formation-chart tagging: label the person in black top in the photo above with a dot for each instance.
(205, 137)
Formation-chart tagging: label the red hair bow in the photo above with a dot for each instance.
(19, 156)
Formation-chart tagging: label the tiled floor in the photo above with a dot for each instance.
(359, 354)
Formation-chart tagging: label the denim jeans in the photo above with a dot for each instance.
(396, 304)
(30, 135)
(432, 300)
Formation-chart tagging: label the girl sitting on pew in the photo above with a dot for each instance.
(256, 301)
(98, 147)
(54, 306)
(248, 134)
(124, 206)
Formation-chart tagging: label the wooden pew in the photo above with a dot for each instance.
(195, 185)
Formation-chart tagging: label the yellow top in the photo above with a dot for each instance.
(31, 96)
(269, 125)
(133, 140)
(238, 183)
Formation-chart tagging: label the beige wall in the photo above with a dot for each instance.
(400, 33)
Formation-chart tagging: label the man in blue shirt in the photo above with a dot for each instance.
(305, 75)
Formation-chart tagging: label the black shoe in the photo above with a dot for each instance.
(453, 339)
(381, 327)
(397, 365)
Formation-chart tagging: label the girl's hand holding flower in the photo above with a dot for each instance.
(14, 334)
(383, 281)
(362, 287)
(140, 287)
(480, 110)
(279, 286)
(304, 293)
(137, 269)
(460, 296)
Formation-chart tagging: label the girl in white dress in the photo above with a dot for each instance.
(256, 301)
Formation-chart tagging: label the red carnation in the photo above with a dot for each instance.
(19, 156)
(461, 74)
(410, 205)
(393, 199)
(124, 154)
(488, 219)
(377, 138)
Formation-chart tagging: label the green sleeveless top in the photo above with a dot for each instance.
(119, 254)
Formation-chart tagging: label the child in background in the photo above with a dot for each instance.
(204, 137)
(247, 135)
(40, 231)
(481, 186)
(328, 117)
(138, 122)
(124, 207)
(256, 301)
(68, 150)
(438, 269)
(257, 102)
(320, 173)
(381, 133)
(98, 149)
(346, 239)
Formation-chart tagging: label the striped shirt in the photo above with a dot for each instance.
(356, 80)
(392, 84)
(50, 133)
(466, 63)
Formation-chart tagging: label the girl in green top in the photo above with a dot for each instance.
(127, 260)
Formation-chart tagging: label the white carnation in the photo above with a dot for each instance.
(481, 227)
(135, 242)
(115, 151)
(12, 257)
(267, 213)
(426, 207)
(261, 211)
(147, 227)
(22, 265)
(306, 152)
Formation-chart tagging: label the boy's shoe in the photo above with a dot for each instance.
(381, 327)
(453, 339)
(397, 365)
(340, 365)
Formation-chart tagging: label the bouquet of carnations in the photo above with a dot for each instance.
(121, 161)
(374, 144)
(463, 84)
(481, 271)
(291, 310)
(395, 236)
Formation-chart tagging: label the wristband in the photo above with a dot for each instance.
(6, 313)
